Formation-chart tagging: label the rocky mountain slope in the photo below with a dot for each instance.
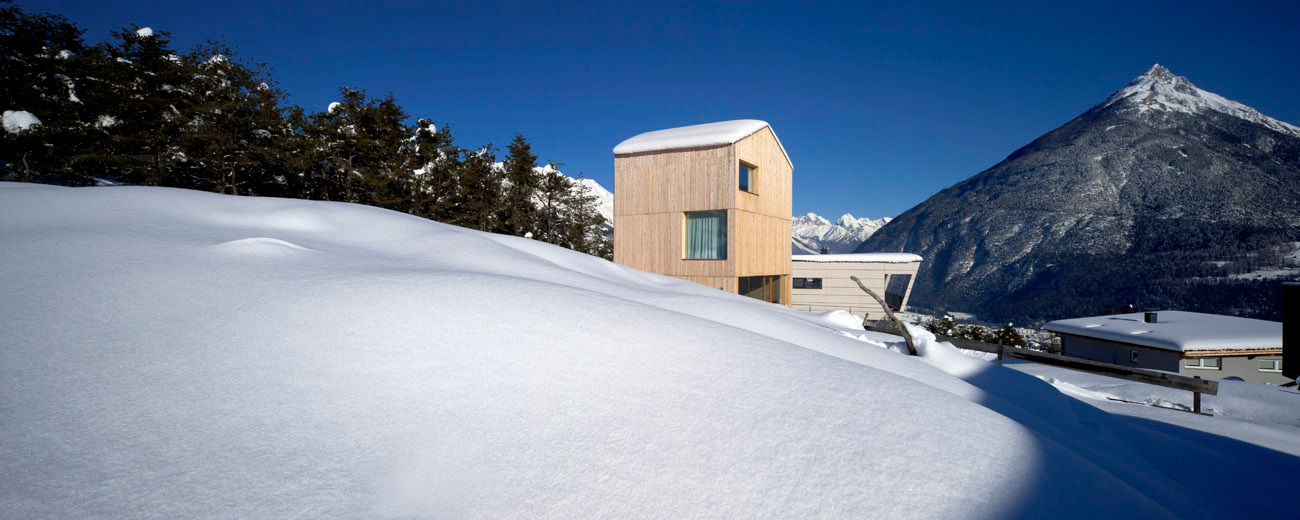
(1158, 197)
(812, 232)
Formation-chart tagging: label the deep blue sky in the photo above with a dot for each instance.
(879, 105)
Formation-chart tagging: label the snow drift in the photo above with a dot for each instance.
(176, 354)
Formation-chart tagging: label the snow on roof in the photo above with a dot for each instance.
(16, 121)
(708, 134)
(885, 258)
(1179, 331)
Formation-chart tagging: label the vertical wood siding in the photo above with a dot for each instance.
(654, 190)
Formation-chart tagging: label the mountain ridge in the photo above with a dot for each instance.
(1154, 197)
(812, 232)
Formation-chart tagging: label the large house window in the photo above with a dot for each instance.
(706, 235)
(1270, 365)
(896, 289)
(1209, 363)
(766, 288)
(807, 283)
(746, 178)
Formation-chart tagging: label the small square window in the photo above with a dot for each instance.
(1133, 356)
(746, 178)
(1210, 362)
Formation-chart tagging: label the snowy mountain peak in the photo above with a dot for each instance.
(813, 232)
(1159, 72)
(1161, 90)
(811, 219)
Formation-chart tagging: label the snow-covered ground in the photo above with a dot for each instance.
(176, 354)
(1264, 415)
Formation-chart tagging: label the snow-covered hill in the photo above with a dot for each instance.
(179, 354)
(812, 233)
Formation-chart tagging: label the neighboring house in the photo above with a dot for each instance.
(821, 282)
(1189, 343)
(707, 203)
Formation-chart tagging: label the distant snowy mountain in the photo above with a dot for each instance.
(812, 232)
(604, 199)
(1161, 196)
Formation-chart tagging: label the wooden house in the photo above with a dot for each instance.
(708, 203)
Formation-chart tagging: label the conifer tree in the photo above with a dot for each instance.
(435, 179)
(131, 110)
(361, 157)
(519, 213)
(42, 59)
(585, 226)
(229, 140)
(146, 83)
(479, 195)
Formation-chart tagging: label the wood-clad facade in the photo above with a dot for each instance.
(655, 190)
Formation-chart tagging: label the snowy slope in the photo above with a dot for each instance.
(177, 354)
(813, 232)
(604, 198)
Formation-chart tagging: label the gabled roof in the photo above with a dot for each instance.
(1179, 331)
(694, 136)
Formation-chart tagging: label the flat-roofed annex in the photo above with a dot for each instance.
(1179, 331)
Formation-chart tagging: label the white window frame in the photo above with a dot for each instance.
(1200, 363)
(1277, 364)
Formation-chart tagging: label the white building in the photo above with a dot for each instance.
(821, 282)
(1189, 343)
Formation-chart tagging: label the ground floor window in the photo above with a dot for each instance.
(896, 289)
(1270, 365)
(807, 283)
(1211, 363)
(766, 288)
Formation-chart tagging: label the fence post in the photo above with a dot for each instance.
(1196, 400)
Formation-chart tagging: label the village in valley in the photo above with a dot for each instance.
(222, 304)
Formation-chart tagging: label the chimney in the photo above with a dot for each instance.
(1149, 317)
(1291, 329)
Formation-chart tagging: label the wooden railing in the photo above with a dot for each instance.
(1195, 384)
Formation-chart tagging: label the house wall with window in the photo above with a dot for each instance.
(1191, 344)
(821, 282)
(671, 189)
